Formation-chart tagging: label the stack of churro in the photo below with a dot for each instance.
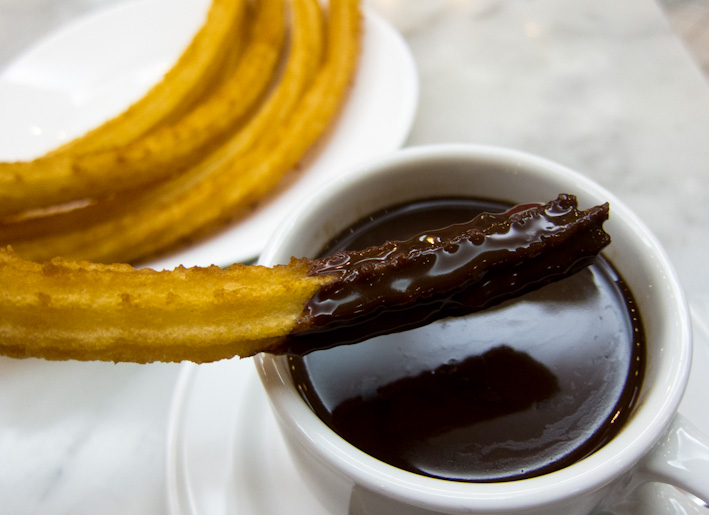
(258, 85)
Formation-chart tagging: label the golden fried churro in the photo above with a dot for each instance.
(62, 177)
(230, 179)
(78, 310)
(179, 89)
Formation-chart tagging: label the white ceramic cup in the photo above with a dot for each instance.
(655, 444)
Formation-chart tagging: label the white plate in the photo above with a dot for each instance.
(94, 68)
(225, 454)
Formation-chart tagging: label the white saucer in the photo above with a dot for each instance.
(94, 68)
(226, 456)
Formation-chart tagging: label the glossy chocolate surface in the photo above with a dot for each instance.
(513, 391)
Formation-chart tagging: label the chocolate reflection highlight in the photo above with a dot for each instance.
(409, 417)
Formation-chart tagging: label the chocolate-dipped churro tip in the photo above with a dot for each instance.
(451, 271)
(67, 309)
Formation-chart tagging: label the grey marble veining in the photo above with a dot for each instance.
(602, 86)
(690, 20)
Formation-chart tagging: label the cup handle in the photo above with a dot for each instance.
(681, 459)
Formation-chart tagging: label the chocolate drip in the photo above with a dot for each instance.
(452, 271)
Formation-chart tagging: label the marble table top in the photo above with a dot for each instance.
(602, 86)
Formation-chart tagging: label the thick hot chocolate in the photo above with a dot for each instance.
(514, 391)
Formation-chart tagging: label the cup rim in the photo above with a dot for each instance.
(591, 473)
